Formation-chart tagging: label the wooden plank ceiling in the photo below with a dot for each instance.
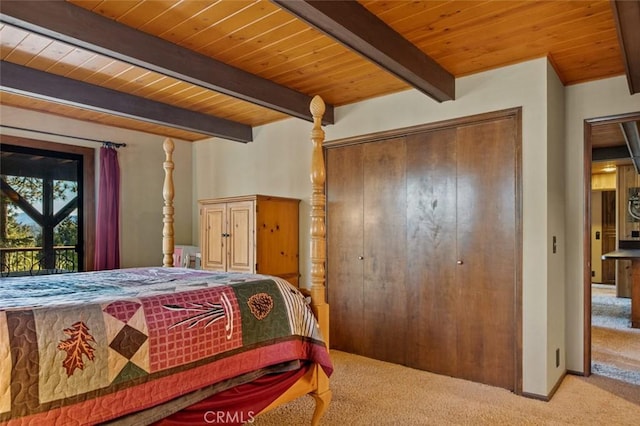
(231, 65)
(609, 147)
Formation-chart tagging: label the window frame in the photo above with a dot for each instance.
(88, 190)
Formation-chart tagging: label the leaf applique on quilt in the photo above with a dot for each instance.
(76, 346)
(260, 305)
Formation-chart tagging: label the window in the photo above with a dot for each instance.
(45, 217)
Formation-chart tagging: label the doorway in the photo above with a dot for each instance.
(42, 211)
(48, 206)
(603, 308)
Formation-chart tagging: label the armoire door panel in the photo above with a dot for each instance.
(385, 294)
(345, 247)
(431, 252)
(486, 241)
(214, 218)
(240, 230)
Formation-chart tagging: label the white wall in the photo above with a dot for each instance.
(277, 163)
(583, 101)
(141, 175)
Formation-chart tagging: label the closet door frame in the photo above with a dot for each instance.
(516, 115)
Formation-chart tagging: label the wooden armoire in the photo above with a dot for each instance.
(252, 234)
(424, 247)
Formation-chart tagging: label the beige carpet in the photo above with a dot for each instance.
(370, 392)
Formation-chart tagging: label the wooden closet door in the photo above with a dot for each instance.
(431, 251)
(345, 247)
(436, 219)
(487, 252)
(385, 293)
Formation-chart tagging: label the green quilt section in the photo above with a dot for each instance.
(263, 310)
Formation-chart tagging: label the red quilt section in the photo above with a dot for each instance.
(180, 331)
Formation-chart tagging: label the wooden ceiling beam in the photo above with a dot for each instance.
(626, 14)
(351, 24)
(79, 27)
(39, 84)
(609, 153)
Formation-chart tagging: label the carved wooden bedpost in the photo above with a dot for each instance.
(318, 229)
(318, 246)
(167, 210)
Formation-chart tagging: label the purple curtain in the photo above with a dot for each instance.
(107, 253)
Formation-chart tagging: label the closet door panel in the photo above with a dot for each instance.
(431, 250)
(345, 247)
(385, 293)
(486, 240)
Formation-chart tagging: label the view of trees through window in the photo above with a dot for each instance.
(38, 216)
(21, 230)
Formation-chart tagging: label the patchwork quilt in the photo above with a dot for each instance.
(88, 347)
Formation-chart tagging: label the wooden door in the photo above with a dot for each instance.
(608, 235)
(240, 228)
(385, 293)
(487, 252)
(345, 250)
(436, 217)
(213, 229)
(431, 251)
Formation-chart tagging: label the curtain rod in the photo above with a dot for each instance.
(107, 143)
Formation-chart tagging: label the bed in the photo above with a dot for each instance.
(165, 345)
